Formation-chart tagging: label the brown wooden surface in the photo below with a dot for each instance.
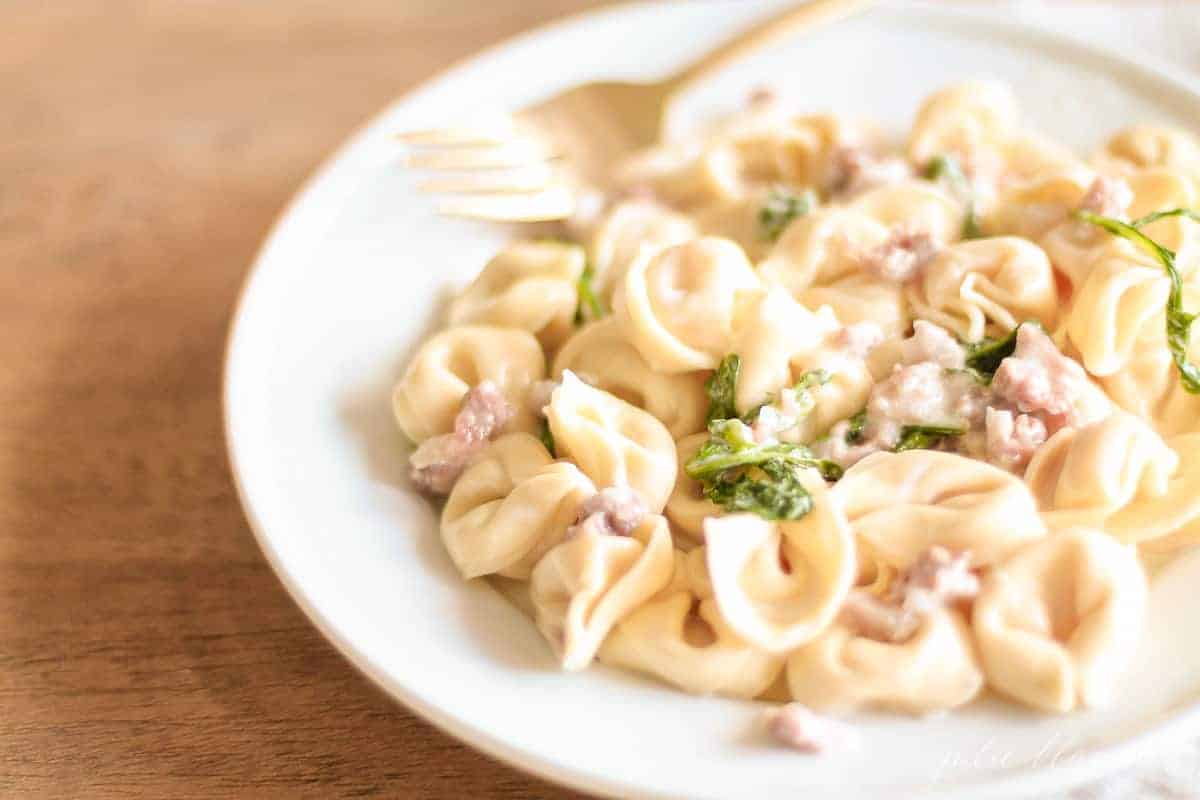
(146, 649)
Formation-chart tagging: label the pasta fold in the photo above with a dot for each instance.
(1058, 622)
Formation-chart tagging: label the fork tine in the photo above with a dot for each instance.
(473, 133)
(519, 180)
(509, 154)
(556, 202)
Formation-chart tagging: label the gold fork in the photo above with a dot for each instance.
(535, 165)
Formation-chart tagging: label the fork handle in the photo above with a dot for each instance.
(777, 28)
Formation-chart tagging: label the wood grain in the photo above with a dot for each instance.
(146, 649)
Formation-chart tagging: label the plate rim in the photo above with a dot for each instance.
(1099, 762)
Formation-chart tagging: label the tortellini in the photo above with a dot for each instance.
(1059, 621)
(1149, 387)
(778, 585)
(613, 442)
(962, 119)
(530, 285)
(681, 638)
(904, 503)
(510, 507)
(587, 584)
(934, 670)
(772, 330)
(677, 307)
(628, 230)
(687, 507)
(987, 287)
(1117, 475)
(1119, 304)
(427, 398)
(600, 354)
(1151, 146)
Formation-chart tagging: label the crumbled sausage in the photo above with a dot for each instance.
(902, 257)
(438, 461)
(931, 342)
(857, 340)
(1013, 438)
(615, 511)
(853, 170)
(1038, 379)
(937, 579)
(796, 726)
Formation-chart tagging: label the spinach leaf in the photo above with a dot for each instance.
(947, 169)
(772, 490)
(858, 426)
(721, 388)
(1179, 322)
(984, 356)
(781, 208)
(547, 438)
(590, 307)
(731, 445)
(923, 437)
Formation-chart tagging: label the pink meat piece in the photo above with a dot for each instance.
(438, 462)
(1012, 438)
(855, 169)
(615, 511)
(902, 257)
(858, 339)
(796, 726)
(835, 448)
(1109, 197)
(931, 342)
(937, 579)
(1038, 379)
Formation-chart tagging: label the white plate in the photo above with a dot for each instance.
(354, 275)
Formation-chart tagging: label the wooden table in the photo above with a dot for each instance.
(146, 649)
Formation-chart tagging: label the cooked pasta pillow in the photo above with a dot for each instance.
(934, 670)
(613, 442)
(904, 503)
(779, 584)
(530, 285)
(428, 396)
(510, 507)
(628, 230)
(1058, 622)
(677, 307)
(600, 354)
(584, 586)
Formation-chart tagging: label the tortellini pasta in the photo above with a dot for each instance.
(904, 503)
(1117, 475)
(1151, 146)
(1148, 386)
(778, 585)
(681, 638)
(587, 584)
(687, 507)
(628, 230)
(427, 397)
(600, 354)
(614, 443)
(677, 307)
(1059, 621)
(904, 494)
(934, 670)
(987, 287)
(962, 119)
(772, 330)
(510, 507)
(530, 285)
